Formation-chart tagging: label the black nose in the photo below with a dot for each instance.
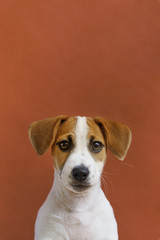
(80, 173)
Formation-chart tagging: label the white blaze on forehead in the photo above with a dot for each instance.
(81, 132)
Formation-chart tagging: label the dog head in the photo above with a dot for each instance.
(79, 146)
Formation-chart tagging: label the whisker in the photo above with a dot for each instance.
(107, 173)
(105, 176)
(105, 185)
(128, 165)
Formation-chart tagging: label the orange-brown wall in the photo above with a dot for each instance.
(99, 57)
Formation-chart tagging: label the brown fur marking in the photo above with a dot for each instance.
(94, 131)
(65, 130)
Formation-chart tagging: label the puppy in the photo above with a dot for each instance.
(76, 207)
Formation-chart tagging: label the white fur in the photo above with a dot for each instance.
(70, 215)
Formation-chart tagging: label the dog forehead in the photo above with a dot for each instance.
(67, 127)
(80, 128)
(94, 129)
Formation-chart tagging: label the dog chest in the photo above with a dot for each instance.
(94, 224)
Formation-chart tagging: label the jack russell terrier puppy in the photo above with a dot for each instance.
(76, 207)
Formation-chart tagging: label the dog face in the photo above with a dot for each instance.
(79, 153)
(79, 147)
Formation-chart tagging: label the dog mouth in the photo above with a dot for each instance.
(80, 187)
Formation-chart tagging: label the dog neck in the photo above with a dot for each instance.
(72, 201)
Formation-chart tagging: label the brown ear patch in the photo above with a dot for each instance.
(117, 135)
(65, 132)
(42, 133)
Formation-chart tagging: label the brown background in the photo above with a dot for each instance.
(99, 57)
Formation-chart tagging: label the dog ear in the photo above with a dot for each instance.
(42, 133)
(117, 136)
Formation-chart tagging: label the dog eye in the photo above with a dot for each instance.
(64, 145)
(96, 146)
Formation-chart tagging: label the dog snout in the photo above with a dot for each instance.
(80, 173)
